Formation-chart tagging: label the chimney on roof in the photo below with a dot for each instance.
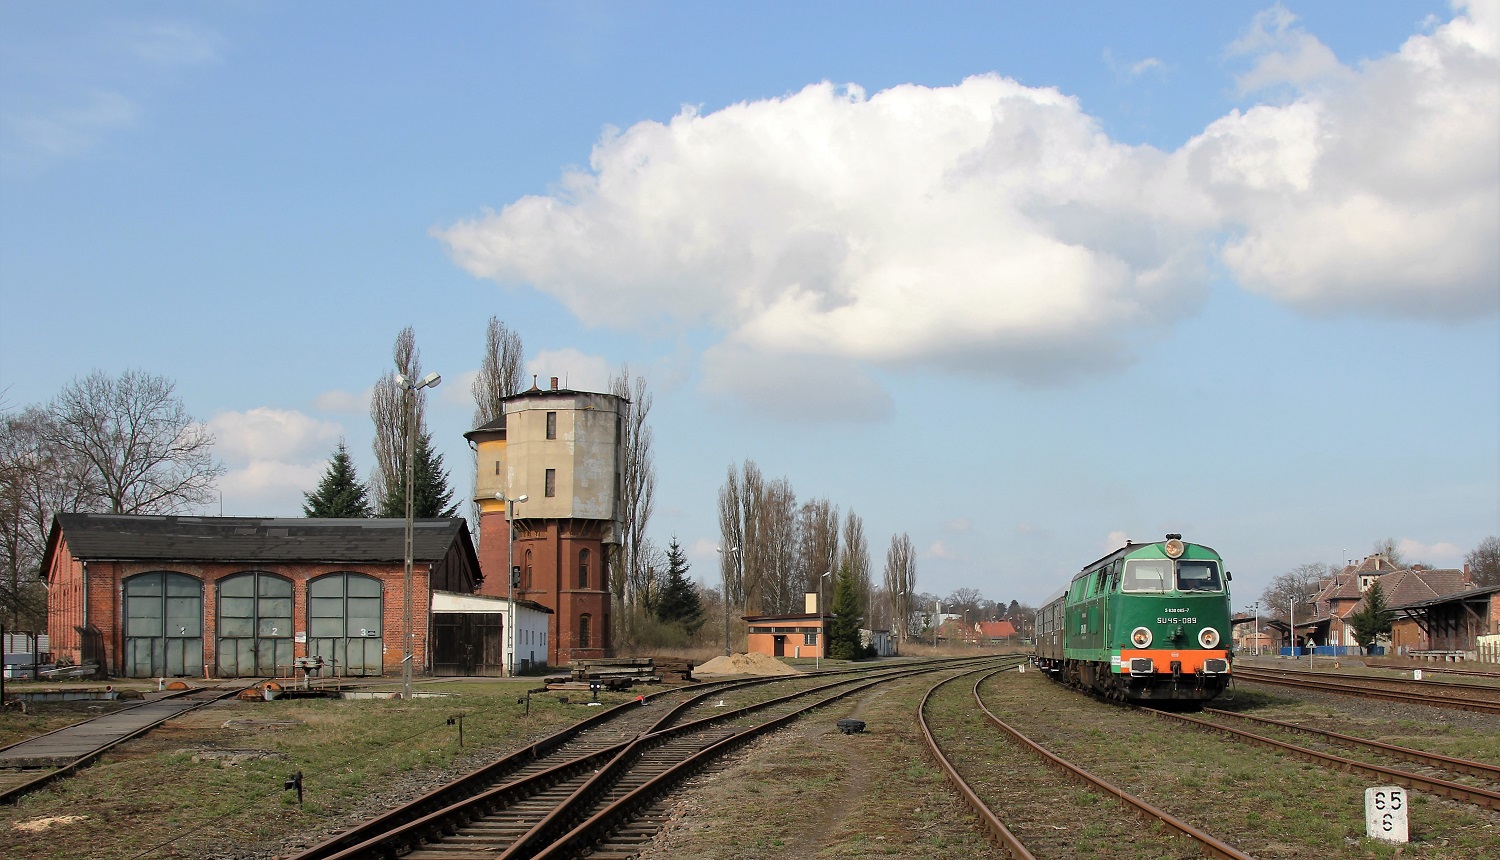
(554, 383)
(1468, 577)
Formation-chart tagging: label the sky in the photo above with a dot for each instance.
(1021, 281)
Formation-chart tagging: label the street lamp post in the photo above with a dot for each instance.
(818, 657)
(512, 577)
(411, 388)
(1256, 610)
(734, 558)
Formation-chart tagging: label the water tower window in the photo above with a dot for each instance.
(551, 488)
(551, 425)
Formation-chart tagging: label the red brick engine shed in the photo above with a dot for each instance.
(153, 596)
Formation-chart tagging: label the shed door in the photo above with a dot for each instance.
(163, 626)
(255, 625)
(343, 623)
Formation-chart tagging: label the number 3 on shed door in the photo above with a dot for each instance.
(1385, 813)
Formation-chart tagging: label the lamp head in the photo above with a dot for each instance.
(431, 380)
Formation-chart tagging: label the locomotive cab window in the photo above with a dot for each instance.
(1147, 574)
(1198, 576)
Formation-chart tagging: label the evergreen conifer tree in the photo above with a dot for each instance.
(341, 493)
(1373, 618)
(677, 601)
(843, 630)
(431, 497)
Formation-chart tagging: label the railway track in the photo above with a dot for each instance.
(29, 765)
(1207, 844)
(1482, 796)
(591, 789)
(1478, 698)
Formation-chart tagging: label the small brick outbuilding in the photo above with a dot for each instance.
(152, 596)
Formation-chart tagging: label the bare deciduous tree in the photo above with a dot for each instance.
(1484, 562)
(817, 541)
(37, 481)
(855, 555)
(781, 579)
(388, 412)
(144, 453)
(1391, 549)
(638, 491)
(901, 583)
(499, 374)
(732, 539)
(1294, 586)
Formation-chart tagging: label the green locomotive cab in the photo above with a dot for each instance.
(1146, 622)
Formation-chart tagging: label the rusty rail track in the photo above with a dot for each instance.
(21, 786)
(1482, 797)
(1414, 693)
(1210, 845)
(991, 822)
(579, 796)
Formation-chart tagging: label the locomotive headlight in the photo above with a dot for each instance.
(1140, 637)
(1208, 637)
(1174, 547)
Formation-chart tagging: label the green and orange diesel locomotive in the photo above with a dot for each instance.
(1148, 622)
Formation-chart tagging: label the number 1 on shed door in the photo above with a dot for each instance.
(1385, 813)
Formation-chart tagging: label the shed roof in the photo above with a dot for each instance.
(299, 539)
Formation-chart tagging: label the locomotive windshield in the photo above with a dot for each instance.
(1147, 574)
(1156, 575)
(1198, 576)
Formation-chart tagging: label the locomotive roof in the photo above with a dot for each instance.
(1129, 548)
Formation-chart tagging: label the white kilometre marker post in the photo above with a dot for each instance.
(1385, 813)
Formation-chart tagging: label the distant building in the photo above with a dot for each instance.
(153, 596)
(1344, 594)
(562, 450)
(995, 632)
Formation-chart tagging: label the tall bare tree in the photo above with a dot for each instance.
(630, 567)
(37, 481)
(901, 583)
(1484, 561)
(731, 539)
(817, 541)
(753, 551)
(388, 412)
(500, 372)
(1294, 586)
(145, 454)
(782, 579)
(1391, 549)
(856, 557)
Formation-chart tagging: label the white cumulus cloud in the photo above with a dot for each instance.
(986, 225)
(1377, 190)
(994, 228)
(264, 433)
(273, 457)
(1442, 553)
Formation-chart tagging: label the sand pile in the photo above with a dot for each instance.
(744, 664)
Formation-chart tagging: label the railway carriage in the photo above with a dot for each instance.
(1148, 622)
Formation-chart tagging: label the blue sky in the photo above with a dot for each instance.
(1020, 280)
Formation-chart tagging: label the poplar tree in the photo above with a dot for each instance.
(341, 494)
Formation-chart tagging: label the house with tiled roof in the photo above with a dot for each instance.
(995, 632)
(1344, 594)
